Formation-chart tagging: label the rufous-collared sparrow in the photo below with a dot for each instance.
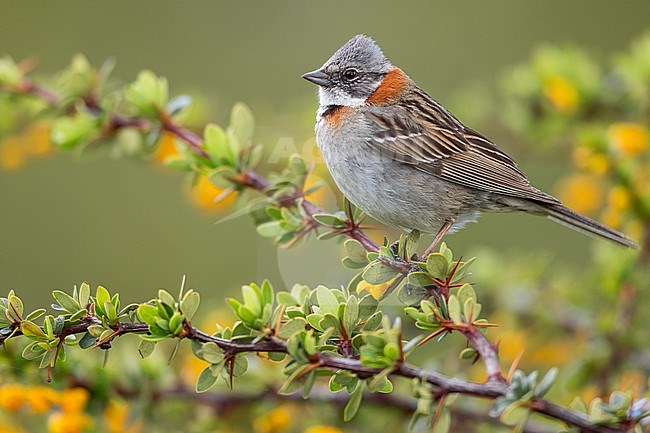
(405, 160)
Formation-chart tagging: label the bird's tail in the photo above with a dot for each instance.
(574, 220)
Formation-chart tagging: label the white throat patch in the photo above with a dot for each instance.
(334, 96)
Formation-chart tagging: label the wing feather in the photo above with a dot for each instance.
(421, 132)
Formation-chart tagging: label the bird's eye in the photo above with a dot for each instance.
(350, 74)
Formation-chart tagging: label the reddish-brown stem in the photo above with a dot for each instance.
(488, 351)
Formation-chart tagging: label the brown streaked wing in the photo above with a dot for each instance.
(424, 134)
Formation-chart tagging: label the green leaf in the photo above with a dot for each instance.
(329, 220)
(545, 384)
(102, 296)
(66, 301)
(446, 252)
(411, 244)
(211, 353)
(465, 292)
(206, 380)
(252, 300)
(166, 298)
(216, 143)
(356, 252)
(241, 365)
(146, 348)
(454, 310)
(351, 314)
(291, 327)
(351, 264)
(292, 384)
(437, 265)
(36, 314)
(148, 92)
(411, 295)
(84, 294)
(468, 353)
(367, 307)
(471, 310)
(271, 229)
(148, 314)
(373, 322)
(353, 404)
(378, 273)
(314, 320)
(420, 279)
(243, 122)
(327, 302)
(331, 321)
(31, 330)
(32, 351)
(190, 304)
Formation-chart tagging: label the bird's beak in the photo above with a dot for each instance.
(317, 77)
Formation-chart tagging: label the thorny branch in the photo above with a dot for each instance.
(445, 384)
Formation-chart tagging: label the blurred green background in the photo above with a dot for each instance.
(131, 227)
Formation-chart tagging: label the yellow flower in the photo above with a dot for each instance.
(12, 397)
(68, 422)
(166, 147)
(321, 196)
(611, 216)
(116, 418)
(581, 192)
(12, 154)
(41, 398)
(376, 290)
(192, 368)
(10, 429)
(37, 139)
(553, 353)
(587, 159)
(619, 198)
(322, 429)
(73, 399)
(633, 380)
(628, 138)
(276, 420)
(562, 95)
(204, 194)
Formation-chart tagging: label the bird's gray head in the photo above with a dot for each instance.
(352, 74)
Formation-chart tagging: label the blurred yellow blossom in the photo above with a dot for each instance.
(628, 138)
(276, 420)
(37, 139)
(633, 380)
(41, 398)
(116, 418)
(73, 399)
(581, 192)
(12, 154)
(204, 194)
(68, 422)
(587, 159)
(619, 198)
(611, 216)
(166, 147)
(321, 196)
(376, 290)
(9, 429)
(554, 352)
(322, 429)
(561, 94)
(12, 397)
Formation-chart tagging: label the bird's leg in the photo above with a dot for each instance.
(444, 229)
